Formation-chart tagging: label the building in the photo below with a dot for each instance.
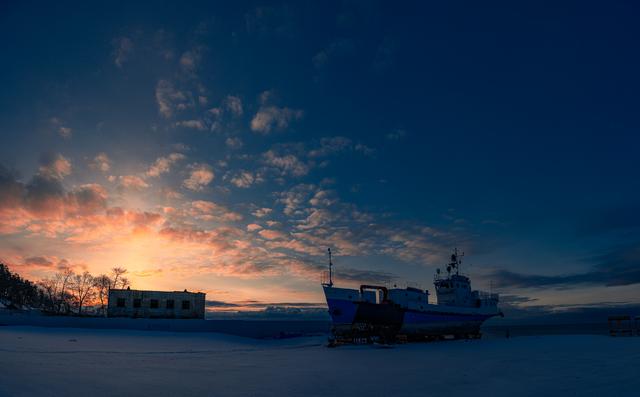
(155, 304)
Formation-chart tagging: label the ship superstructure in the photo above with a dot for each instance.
(379, 312)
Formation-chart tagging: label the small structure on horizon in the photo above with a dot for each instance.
(155, 304)
(622, 325)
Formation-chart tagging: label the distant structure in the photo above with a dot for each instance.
(624, 325)
(155, 304)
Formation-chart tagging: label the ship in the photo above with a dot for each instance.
(376, 313)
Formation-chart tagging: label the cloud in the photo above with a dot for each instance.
(618, 267)
(234, 105)
(11, 190)
(58, 125)
(170, 194)
(272, 234)
(261, 212)
(88, 199)
(331, 145)
(163, 165)
(285, 164)
(54, 165)
(189, 60)
(225, 116)
(65, 132)
(243, 179)
(170, 99)
(131, 182)
(211, 303)
(44, 197)
(101, 162)
(193, 124)
(200, 176)
(396, 135)
(323, 198)
(364, 149)
(252, 227)
(122, 50)
(210, 211)
(269, 117)
(317, 217)
(361, 276)
(233, 143)
(38, 261)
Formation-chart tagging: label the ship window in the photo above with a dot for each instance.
(121, 302)
(170, 303)
(137, 302)
(153, 304)
(186, 305)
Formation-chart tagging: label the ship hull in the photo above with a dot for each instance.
(356, 318)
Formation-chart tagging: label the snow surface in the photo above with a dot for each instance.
(37, 361)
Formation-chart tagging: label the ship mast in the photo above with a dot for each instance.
(455, 263)
(330, 270)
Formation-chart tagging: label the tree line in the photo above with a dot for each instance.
(66, 292)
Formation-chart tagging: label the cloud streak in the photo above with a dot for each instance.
(618, 267)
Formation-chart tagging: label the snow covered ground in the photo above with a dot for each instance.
(38, 361)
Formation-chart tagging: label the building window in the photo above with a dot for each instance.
(186, 305)
(170, 303)
(121, 302)
(137, 302)
(153, 304)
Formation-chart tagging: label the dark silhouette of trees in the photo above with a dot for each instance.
(18, 292)
(102, 284)
(83, 289)
(60, 293)
(116, 274)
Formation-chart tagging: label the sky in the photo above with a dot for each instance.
(224, 147)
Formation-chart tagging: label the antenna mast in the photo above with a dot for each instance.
(330, 270)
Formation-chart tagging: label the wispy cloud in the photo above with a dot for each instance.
(60, 127)
(101, 162)
(286, 164)
(618, 267)
(200, 176)
(234, 142)
(272, 118)
(132, 182)
(122, 50)
(243, 179)
(54, 165)
(163, 165)
(169, 99)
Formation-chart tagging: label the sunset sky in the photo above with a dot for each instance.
(224, 147)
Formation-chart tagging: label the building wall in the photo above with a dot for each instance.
(155, 304)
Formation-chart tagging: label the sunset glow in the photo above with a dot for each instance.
(224, 149)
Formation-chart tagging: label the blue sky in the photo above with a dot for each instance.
(223, 147)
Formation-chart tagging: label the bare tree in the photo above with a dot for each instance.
(124, 282)
(50, 286)
(116, 272)
(65, 278)
(102, 285)
(83, 288)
